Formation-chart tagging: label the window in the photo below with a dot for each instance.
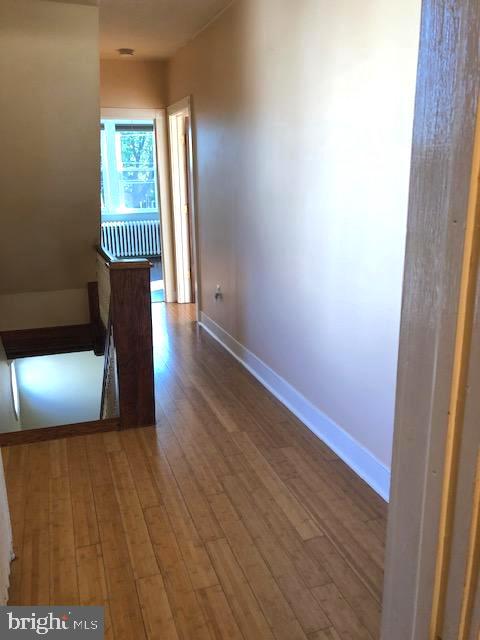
(128, 167)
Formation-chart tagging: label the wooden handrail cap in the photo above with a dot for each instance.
(122, 263)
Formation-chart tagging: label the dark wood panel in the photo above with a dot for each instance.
(42, 341)
(132, 334)
(47, 340)
(98, 330)
(28, 436)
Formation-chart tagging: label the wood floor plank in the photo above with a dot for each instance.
(98, 463)
(366, 607)
(341, 507)
(321, 480)
(303, 604)
(84, 515)
(370, 501)
(312, 572)
(346, 544)
(198, 506)
(326, 634)
(189, 618)
(92, 584)
(63, 566)
(136, 533)
(200, 569)
(242, 601)
(58, 458)
(36, 548)
(343, 618)
(157, 615)
(140, 469)
(123, 601)
(125, 608)
(228, 521)
(199, 449)
(217, 611)
(5, 453)
(293, 509)
(275, 606)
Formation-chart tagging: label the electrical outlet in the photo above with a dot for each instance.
(218, 292)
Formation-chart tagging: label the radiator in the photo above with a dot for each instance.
(130, 239)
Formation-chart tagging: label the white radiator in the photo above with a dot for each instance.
(130, 239)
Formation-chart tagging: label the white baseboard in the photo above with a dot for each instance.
(358, 458)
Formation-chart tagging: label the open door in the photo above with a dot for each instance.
(181, 173)
(432, 589)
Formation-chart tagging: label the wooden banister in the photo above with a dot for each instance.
(131, 331)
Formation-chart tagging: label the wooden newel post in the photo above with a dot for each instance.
(132, 335)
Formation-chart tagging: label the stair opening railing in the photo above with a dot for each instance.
(125, 311)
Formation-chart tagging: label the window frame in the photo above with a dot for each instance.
(110, 167)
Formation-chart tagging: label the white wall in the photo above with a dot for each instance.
(49, 183)
(303, 115)
(59, 389)
(8, 422)
(6, 544)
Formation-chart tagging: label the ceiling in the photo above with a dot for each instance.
(154, 28)
(92, 3)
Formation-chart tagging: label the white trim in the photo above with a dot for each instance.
(181, 105)
(185, 105)
(163, 175)
(355, 455)
(127, 114)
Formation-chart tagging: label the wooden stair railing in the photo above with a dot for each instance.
(124, 294)
(109, 400)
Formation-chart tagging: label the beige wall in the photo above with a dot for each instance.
(303, 117)
(132, 84)
(49, 182)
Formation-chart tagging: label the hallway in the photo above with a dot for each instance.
(229, 520)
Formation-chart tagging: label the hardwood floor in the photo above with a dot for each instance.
(230, 520)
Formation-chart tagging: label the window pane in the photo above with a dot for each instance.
(138, 189)
(136, 149)
(102, 189)
(102, 168)
(129, 178)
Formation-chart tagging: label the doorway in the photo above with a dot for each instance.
(182, 198)
(130, 193)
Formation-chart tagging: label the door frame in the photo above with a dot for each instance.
(185, 105)
(159, 118)
(436, 326)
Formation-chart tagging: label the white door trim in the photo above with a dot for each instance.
(448, 85)
(159, 117)
(185, 105)
(114, 113)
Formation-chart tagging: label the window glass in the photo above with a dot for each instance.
(103, 160)
(128, 181)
